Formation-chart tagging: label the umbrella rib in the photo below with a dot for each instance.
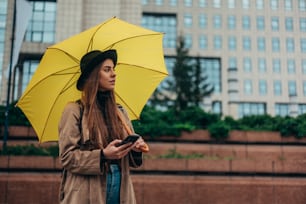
(53, 105)
(66, 53)
(42, 79)
(137, 36)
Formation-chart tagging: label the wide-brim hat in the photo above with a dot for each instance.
(90, 61)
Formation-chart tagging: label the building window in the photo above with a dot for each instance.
(304, 88)
(304, 66)
(188, 3)
(217, 22)
(303, 24)
(202, 21)
(231, 22)
(290, 44)
(262, 66)
(26, 73)
(302, 109)
(261, 44)
(245, 109)
(245, 4)
(274, 24)
(217, 3)
(292, 88)
(162, 23)
(203, 42)
(281, 109)
(260, 23)
(231, 4)
(289, 24)
(291, 66)
(211, 68)
(275, 44)
(188, 41)
(274, 4)
(303, 45)
(41, 27)
(246, 22)
(217, 107)
(232, 62)
(259, 4)
(276, 66)
(288, 5)
(203, 3)
(144, 2)
(232, 44)
(188, 20)
(173, 2)
(247, 64)
(262, 87)
(246, 43)
(302, 5)
(277, 88)
(248, 87)
(159, 2)
(3, 12)
(217, 42)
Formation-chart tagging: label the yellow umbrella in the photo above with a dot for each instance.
(140, 69)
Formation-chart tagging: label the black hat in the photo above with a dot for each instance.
(90, 60)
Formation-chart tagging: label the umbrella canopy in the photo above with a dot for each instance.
(140, 69)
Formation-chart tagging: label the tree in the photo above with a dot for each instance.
(187, 85)
(182, 73)
(201, 88)
(176, 90)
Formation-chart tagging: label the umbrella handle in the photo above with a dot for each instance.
(126, 127)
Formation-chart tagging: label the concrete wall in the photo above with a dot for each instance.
(166, 189)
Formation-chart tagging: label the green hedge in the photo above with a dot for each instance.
(30, 150)
(156, 123)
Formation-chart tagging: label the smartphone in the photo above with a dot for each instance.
(128, 139)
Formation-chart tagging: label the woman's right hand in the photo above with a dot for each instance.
(113, 151)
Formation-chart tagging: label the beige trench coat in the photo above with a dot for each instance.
(83, 181)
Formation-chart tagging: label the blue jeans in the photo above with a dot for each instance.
(113, 181)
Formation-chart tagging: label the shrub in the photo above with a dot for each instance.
(16, 116)
(219, 130)
(30, 150)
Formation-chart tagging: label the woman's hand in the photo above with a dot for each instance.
(140, 145)
(113, 151)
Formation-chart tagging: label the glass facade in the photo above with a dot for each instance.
(245, 109)
(265, 40)
(42, 24)
(24, 76)
(162, 23)
(3, 12)
(261, 39)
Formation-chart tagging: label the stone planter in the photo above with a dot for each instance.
(234, 136)
(29, 163)
(20, 131)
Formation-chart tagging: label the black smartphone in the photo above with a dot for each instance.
(128, 139)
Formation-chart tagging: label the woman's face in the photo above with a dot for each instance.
(107, 76)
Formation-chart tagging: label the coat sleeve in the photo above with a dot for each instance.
(74, 159)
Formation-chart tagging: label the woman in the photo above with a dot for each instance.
(96, 167)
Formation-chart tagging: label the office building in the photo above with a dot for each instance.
(252, 51)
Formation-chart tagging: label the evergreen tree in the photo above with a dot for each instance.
(201, 88)
(187, 85)
(182, 73)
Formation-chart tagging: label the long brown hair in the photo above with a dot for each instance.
(101, 111)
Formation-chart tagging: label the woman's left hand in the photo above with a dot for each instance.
(138, 144)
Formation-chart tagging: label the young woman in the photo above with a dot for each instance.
(96, 166)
